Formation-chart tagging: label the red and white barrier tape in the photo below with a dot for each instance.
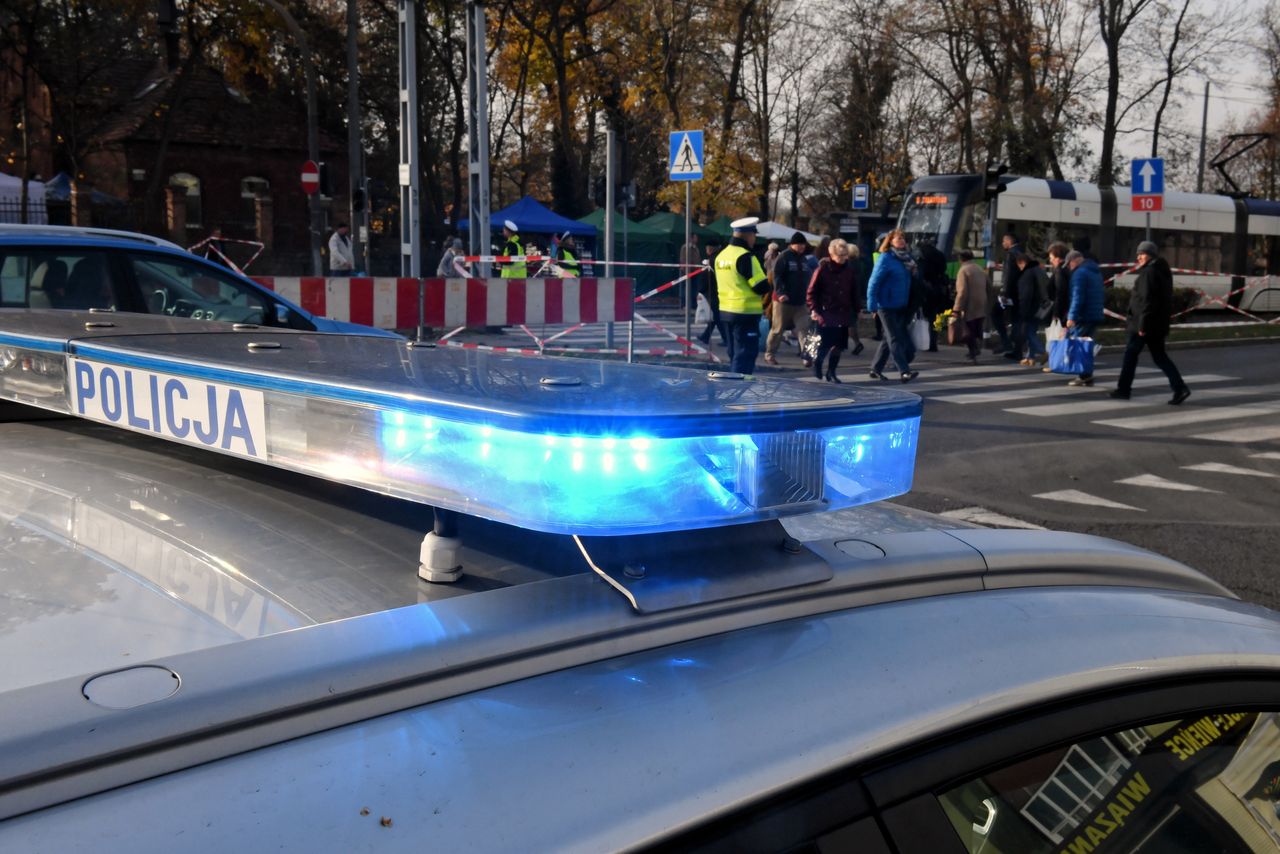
(518, 259)
(671, 284)
(211, 244)
(690, 347)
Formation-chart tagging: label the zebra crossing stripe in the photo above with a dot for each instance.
(1225, 468)
(1075, 496)
(1191, 416)
(1267, 455)
(1243, 434)
(1061, 388)
(989, 518)
(1083, 407)
(1157, 482)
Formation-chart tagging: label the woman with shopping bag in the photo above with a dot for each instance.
(832, 301)
(888, 295)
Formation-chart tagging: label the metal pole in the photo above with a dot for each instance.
(479, 237)
(355, 157)
(410, 228)
(313, 133)
(1204, 129)
(688, 228)
(1148, 237)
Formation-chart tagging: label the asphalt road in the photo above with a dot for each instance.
(1009, 446)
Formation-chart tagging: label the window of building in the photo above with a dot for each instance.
(191, 184)
(254, 188)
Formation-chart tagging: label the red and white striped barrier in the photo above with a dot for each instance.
(390, 303)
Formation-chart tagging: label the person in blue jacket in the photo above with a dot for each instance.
(888, 295)
(1085, 310)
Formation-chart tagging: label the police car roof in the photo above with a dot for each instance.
(80, 235)
(124, 549)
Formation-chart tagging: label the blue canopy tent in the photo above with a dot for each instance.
(58, 189)
(535, 218)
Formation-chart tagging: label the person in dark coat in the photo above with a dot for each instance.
(1150, 305)
(1004, 308)
(933, 276)
(1033, 291)
(790, 276)
(832, 299)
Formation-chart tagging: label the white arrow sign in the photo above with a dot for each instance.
(1147, 172)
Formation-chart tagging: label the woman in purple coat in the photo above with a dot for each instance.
(832, 301)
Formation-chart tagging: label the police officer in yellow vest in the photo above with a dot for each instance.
(513, 246)
(740, 284)
(568, 261)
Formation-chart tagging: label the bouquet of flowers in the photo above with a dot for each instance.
(941, 322)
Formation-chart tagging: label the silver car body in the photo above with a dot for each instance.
(314, 694)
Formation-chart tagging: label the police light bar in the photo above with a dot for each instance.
(559, 445)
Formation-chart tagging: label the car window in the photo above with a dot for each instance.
(188, 289)
(52, 277)
(1208, 783)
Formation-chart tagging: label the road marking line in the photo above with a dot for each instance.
(1075, 496)
(1107, 404)
(1191, 416)
(996, 380)
(1060, 389)
(989, 518)
(1243, 434)
(1267, 455)
(1224, 468)
(1157, 482)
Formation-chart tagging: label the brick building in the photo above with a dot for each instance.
(187, 152)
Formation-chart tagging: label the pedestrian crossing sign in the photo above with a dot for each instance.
(686, 155)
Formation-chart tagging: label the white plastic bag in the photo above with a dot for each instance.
(920, 333)
(702, 314)
(1055, 332)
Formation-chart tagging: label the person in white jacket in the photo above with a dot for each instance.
(342, 262)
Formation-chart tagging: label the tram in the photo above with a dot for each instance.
(1227, 248)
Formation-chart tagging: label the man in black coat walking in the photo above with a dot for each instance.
(1150, 305)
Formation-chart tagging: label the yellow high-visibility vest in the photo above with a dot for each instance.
(515, 269)
(734, 290)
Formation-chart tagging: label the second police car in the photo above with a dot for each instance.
(83, 268)
(273, 590)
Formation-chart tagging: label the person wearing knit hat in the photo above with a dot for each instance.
(790, 277)
(1150, 305)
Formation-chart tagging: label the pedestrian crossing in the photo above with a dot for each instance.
(1217, 398)
(1223, 414)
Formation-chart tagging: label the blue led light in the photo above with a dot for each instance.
(621, 449)
(626, 484)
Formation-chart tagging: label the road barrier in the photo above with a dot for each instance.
(404, 303)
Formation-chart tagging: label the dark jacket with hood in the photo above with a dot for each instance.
(1033, 289)
(1151, 302)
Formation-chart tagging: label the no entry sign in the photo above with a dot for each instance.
(310, 177)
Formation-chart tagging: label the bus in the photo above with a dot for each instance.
(1232, 245)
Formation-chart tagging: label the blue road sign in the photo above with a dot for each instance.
(861, 196)
(686, 155)
(1147, 176)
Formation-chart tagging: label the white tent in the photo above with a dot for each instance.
(11, 201)
(778, 231)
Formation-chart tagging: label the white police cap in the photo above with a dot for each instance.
(510, 225)
(746, 225)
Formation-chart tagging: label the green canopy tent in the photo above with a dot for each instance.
(639, 243)
(673, 224)
(721, 227)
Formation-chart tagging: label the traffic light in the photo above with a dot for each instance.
(598, 191)
(326, 182)
(358, 196)
(991, 186)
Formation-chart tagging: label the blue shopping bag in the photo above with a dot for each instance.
(1071, 355)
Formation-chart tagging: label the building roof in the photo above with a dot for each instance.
(209, 111)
